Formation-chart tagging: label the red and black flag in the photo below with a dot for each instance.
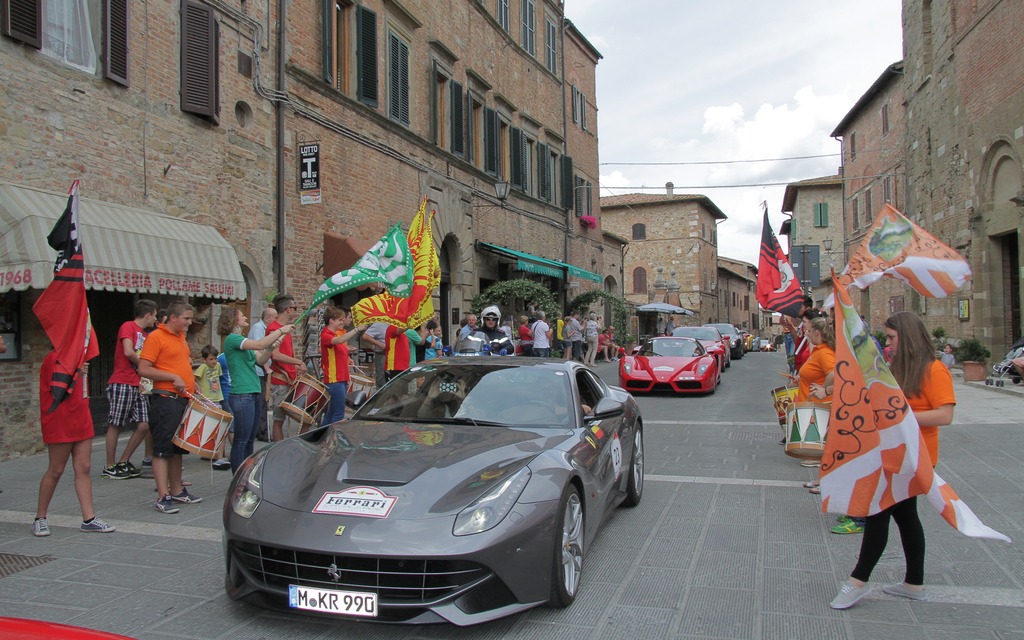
(777, 286)
(62, 308)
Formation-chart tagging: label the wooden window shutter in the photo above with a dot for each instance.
(576, 188)
(490, 141)
(543, 173)
(366, 56)
(458, 126)
(516, 158)
(398, 89)
(115, 41)
(567, 186)
(575, 104)
(23, 21)
(436, 109)
(327, 41)
(198, 60)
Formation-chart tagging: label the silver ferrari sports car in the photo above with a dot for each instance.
(465, 490)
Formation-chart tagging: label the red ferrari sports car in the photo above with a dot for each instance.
(680, 365)
(710, 339)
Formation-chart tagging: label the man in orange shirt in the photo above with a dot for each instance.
(167, 361)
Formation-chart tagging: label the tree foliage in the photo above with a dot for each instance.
(514, 296)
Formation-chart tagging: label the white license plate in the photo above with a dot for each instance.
(349, 603)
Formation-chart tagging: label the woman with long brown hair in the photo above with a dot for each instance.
(928, 386)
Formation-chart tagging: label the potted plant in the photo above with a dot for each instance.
(971, 354)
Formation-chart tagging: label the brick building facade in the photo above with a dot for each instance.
(186, 109)
(677, 233)
(964, 82)
(817, 220)
(873, 134)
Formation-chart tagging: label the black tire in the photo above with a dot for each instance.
(567, 563)
(635, 487)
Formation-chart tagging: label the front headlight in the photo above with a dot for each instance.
(701, 368)
(627, 367)
(493, 506)
(247, 494)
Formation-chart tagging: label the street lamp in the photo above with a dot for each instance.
(501, 190)
(827, 243)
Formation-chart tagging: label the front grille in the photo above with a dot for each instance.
(394, 580)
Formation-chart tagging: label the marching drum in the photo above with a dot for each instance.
(783, 397)
(359, 382)
(202, 429)
(806, 428)
(306, 401)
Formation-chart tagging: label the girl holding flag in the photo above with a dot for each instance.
(928, 387)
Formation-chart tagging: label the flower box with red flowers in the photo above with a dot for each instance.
(589, 222)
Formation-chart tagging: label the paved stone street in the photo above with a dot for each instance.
(726, 543)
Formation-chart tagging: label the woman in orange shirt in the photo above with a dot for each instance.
(815, 376)
(928, 386)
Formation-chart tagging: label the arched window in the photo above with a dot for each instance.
(639, 279)
(640, 232)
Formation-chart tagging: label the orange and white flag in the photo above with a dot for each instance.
(875, 455)
(418, 306)
(895, 247)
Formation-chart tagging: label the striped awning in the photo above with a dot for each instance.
(126, 249)
(536, 264)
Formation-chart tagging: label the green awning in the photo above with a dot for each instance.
(536, 264)
(576, 272)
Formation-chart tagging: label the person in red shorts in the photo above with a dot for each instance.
(67, 432)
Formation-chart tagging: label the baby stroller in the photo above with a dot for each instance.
(1005, 368)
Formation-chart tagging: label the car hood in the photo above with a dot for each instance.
(430, 470)
(665, 368)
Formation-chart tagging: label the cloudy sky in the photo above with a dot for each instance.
(687, 81)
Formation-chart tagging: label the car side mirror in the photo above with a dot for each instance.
(607, 408)
(356, 399)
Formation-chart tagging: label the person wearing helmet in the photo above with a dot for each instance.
(490, 318)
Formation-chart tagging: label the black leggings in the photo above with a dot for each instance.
(876, 535)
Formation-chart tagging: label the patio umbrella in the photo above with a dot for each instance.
(663, 307)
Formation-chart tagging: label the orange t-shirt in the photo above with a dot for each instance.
(936, 390)
(168, 351)
(820, 363)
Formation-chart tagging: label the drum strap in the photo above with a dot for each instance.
(168, 394)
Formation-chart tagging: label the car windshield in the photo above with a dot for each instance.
(485, 395)
(700, 333)
(726, 329)
(671, 348)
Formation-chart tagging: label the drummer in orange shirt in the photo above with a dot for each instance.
(166, 360)
(815, 376)
(814, 381)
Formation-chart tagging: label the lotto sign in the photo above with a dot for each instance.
(309, 167)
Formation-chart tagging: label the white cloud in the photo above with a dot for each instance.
(743, 80)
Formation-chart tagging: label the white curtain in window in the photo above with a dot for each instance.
(66, 33)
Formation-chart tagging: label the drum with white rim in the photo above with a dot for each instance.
(203, 427)
(806, 429)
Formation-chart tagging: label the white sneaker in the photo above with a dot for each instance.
(849, 595)
(40, 528)
(900, 589)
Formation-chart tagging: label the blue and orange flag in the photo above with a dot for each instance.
(418, 307)
(62, 308)
(875, 455)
